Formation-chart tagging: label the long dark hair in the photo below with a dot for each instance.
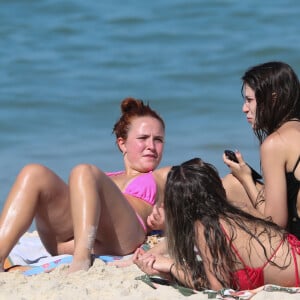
(277, 93)
(194, 192)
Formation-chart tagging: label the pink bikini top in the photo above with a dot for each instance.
(142, 186)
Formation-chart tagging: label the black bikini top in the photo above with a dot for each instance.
(293, 187)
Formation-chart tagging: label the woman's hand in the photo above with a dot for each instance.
(158, 249)
(153, 264)
(238, 169)
(156, 220)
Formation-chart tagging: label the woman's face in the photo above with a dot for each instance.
(144, 145)
(249, 106)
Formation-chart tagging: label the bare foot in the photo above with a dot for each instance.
(79, 265)
(121, 263)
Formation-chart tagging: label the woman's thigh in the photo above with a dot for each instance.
(119, 229)
(53, 216)
(237, 195)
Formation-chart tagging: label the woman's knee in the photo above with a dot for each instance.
(232, 186)
(40, 179)
(34, 172)
(84, 171)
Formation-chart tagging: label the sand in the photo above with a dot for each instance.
(101, 281)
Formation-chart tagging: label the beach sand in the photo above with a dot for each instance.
(101, 281)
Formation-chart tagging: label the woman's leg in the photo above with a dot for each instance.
(104, 221)
(38, 192)
(237, 195)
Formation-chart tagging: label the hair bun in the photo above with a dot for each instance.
(130, 104)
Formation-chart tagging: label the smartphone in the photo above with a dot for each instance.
(159, 280)
(231, 155)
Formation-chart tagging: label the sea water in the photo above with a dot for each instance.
(65, 66)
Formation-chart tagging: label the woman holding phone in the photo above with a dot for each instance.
(271, 94)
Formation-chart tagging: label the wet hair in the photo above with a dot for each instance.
(132, 108)
(277, 93)
(194, 193)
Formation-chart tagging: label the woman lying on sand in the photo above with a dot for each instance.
(96, 212)
(213, 244)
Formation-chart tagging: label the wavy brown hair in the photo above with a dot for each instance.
(194, 193)
(277, 93)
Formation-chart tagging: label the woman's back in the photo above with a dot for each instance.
(274, 262)
(280, 154)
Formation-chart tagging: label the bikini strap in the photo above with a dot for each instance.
(296, 165)
(295, 248)
(232, 246)
(239, 256)
(274, 253)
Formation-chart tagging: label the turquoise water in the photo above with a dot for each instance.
(66, 65)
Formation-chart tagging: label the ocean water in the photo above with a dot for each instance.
(66, 65)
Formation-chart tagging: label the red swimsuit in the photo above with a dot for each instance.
(250, 278)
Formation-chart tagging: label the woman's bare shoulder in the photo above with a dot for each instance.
(162, 172)
(283, 140)
(274, 142)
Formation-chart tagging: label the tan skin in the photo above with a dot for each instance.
(106, 220)
(278, 153)
(160, 264)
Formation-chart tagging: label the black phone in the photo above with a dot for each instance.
(231, 155)
(159, 280)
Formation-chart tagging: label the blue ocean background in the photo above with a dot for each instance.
(65, 66)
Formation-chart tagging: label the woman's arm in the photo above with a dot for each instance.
(158, 249)
(273, 159)
(274, 196)
(156, 220)
(160, 176)
(163, 266)
(206, 258)
(242, 173)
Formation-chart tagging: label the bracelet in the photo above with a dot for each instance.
(170, 270)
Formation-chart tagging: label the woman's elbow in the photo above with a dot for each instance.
(280, 220)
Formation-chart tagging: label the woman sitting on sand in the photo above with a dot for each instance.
(271, 94)
(213, 244)
(96, 212)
